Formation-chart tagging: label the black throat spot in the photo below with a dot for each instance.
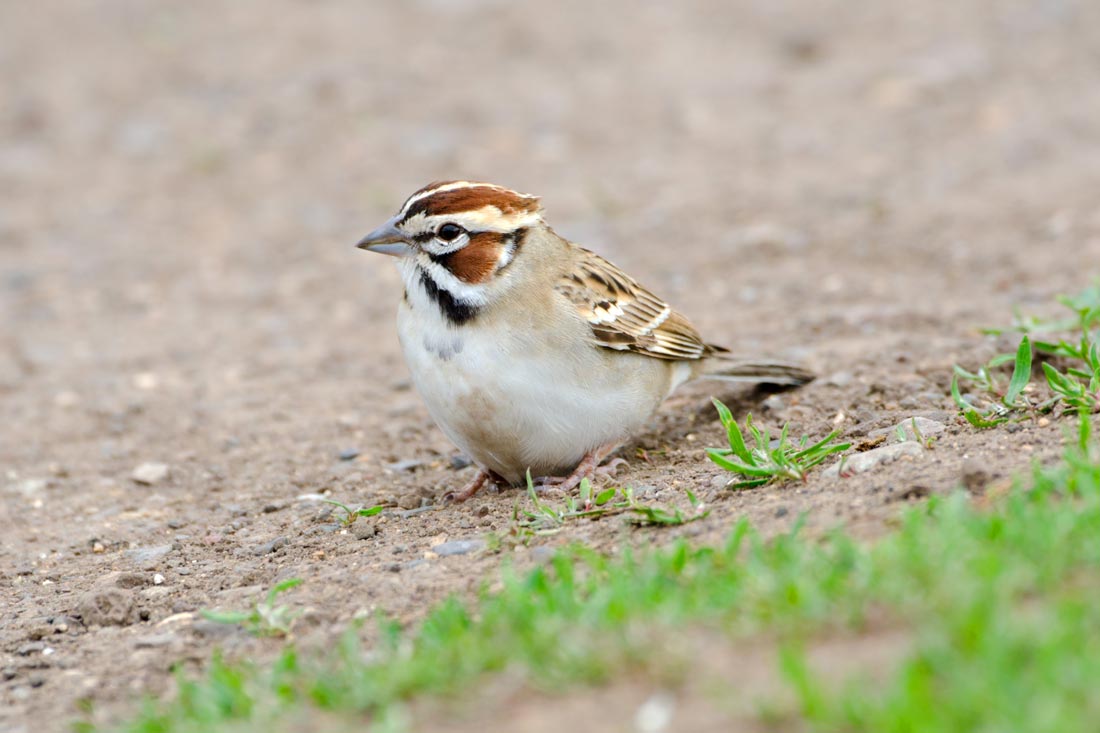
(454, 310)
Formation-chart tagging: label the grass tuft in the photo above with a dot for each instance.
(764, 461)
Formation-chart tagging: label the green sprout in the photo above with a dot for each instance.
(764, 462)
(1075, 386)
(265, 618)
(350, 515)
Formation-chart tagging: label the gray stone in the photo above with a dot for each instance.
(408, 464)
(863, 462)
(106, 607)
(459, 547)
(926, 427)
(150, 473)
(270, 547)
(148, 558)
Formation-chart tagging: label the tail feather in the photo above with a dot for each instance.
(767, 372)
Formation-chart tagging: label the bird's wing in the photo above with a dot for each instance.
(625, 316)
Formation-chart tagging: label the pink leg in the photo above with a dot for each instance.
(586, 468)
(469, 489)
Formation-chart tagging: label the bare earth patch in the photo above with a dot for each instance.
(192, 350)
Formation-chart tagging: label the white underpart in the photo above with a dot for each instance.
(512, 400)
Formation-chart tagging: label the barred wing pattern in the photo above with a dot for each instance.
(625, 316)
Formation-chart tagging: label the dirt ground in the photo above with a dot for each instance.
(856, 185)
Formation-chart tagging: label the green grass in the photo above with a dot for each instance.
(547, 518)
(266, 618)
(1076, 386)
(765, 462)
(1000, 604)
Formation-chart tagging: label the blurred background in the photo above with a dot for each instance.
(181, 186)
(189, 340)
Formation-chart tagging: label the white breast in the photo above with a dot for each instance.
(518, 398)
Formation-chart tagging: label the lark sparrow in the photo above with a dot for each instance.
(531, 353)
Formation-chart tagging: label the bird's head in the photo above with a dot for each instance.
(470, 230)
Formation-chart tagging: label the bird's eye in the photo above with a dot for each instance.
(449, 232)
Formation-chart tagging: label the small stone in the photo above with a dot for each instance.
(148, 558)
(782, 511)
(31, 647)
(270, 547)
(154, 641)
(863, 462)
(106, 607)
(30, 487)
(98, 548)
(408, 501)
(408, 464)
(176, 523)
(125, 580)
(364, 530)
(150, 473)
(459, 547)
(459, 462)
(158, 579)
(927, 429)
(482, 511)
(838, 379)
(348, 454)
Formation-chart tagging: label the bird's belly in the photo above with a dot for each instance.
(513, 405)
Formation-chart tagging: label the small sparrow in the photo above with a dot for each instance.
(531, 353)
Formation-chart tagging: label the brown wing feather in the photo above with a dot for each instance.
(625, 316)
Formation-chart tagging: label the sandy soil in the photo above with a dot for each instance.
(852, 184)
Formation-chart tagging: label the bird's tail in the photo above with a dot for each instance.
(768, 372)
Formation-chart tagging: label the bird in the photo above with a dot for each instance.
(535, 356)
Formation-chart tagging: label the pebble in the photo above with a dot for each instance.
(459, 547)
(30, 487)
(348, 454)
(31, 647)
(459, 462)
(838, 379)
(153, 641)
(364, 530)
(927, 428)
(270, 547)
(158, 579)
(150, 473)
(863, 462)
(148, 558)
(106, 607)
(406, 465)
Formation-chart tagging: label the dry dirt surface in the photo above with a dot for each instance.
(856, 185)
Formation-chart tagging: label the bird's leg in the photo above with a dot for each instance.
(471, 488)
(474, 485)
(588, 466)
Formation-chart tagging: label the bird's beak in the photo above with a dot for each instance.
(386, 239)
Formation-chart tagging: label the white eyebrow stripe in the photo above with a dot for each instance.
(452, 186)
(486, 219)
